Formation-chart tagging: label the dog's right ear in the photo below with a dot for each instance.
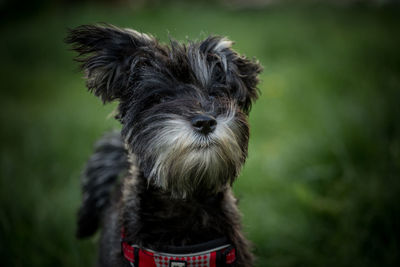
(109, 56)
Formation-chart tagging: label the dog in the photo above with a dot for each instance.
(160, 188)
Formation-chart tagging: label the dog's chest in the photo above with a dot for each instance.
(176, 222)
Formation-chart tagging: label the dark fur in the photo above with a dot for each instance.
(108, 162)
(178, 190)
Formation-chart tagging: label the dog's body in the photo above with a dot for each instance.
(183, 142)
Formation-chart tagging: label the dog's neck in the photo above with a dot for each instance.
(170, 221)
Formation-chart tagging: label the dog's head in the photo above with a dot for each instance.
(183, 108)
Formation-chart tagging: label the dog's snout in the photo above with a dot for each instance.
(204, 124)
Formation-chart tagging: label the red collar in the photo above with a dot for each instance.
(214, 253)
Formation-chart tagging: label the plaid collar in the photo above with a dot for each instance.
(215, 253)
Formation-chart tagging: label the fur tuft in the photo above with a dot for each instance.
(107, 54)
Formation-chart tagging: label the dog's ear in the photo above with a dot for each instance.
(109, 56)
(238, 72)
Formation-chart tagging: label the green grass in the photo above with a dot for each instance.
(321, 184)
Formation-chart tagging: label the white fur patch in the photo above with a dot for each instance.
(139, 34)
(223, 43)
(186, 159)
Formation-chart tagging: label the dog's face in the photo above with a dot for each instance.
(183, 107)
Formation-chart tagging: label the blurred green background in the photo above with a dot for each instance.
(321, 185)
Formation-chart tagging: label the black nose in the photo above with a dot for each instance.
(204, 124)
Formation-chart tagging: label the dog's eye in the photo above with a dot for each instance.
(164, 99)
(213, 95)
(217, 95)
(218, 91)
(161, 99)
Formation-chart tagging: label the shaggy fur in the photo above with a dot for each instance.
(183, 110)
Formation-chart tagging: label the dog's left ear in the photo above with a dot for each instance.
(109, 57)
(239, 72)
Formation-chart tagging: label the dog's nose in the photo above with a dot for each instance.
(204, 124)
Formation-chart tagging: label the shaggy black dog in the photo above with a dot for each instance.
(183, 110)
